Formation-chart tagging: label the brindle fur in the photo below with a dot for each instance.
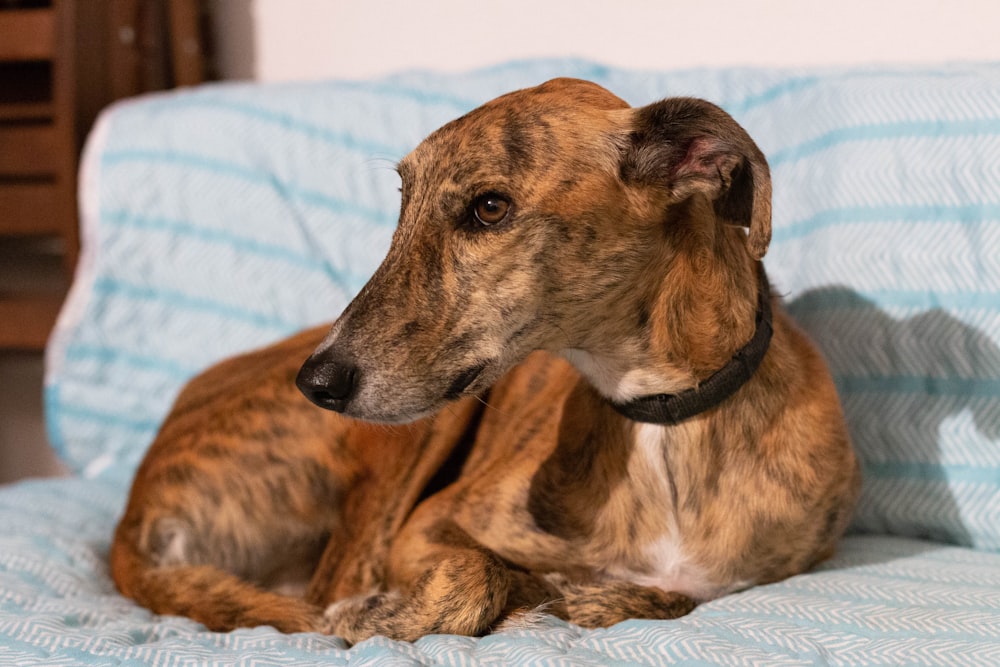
(626, 266)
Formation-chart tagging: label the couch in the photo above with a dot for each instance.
(219, 218)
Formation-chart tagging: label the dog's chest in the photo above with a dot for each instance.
(657, 552)
(556, 495)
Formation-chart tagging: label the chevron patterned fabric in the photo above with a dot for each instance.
(224, 217)
(881, 601)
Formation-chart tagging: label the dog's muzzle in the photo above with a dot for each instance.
(328, 381)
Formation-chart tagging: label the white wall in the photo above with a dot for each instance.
(275, 40)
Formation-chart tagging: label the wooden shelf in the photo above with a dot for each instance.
(25, 111)
(29, 149)
(28, 34)
(61, 62)
(25, 321)
(38, 152)
(29, 208)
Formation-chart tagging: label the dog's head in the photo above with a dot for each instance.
(545, 219)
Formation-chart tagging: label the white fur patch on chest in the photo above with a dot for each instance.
(619, 380)
(671, 569)
(664, 562)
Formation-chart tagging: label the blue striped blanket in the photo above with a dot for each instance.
(224, 217)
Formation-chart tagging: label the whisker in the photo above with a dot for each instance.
(491, 407)
(381, 162)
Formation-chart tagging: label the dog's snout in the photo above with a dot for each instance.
(328, 381)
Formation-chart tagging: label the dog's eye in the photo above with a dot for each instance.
(490, 209)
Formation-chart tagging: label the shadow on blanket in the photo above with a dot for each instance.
(900, 380)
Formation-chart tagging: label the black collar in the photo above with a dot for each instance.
(675, 408)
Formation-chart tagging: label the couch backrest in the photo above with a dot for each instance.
(224, 217)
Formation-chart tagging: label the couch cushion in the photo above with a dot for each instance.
(224, 217)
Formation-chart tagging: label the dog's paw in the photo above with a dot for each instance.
(524, 620)
(360, 617)
(602, 603)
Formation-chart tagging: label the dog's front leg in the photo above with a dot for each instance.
(604, 602)
(395, 466)
(452, 588)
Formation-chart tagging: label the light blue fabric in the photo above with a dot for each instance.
(882, 601)
(224, 217)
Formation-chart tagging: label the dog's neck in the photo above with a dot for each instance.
(641, 387)
(677, 407)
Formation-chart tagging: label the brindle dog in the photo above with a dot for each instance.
(530, 402)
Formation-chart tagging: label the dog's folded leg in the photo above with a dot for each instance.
(400, 465)
(463, 592)
(223, 602)
(598, 604)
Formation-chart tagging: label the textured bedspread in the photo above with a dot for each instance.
(883, 600)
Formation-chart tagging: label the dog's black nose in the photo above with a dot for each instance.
(327, 381)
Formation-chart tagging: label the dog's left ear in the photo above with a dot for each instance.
(688, 145)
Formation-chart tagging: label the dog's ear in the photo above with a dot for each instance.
(689, 145)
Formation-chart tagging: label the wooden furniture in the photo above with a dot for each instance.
(61, 61)
(37, 154)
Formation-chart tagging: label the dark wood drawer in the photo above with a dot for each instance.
(29, 208)
(27, 34)
(25, 322)
(28, 149)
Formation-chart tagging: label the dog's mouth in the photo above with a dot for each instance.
(460, 386)
(464, 380)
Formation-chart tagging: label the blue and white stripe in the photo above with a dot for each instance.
(881, 600)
